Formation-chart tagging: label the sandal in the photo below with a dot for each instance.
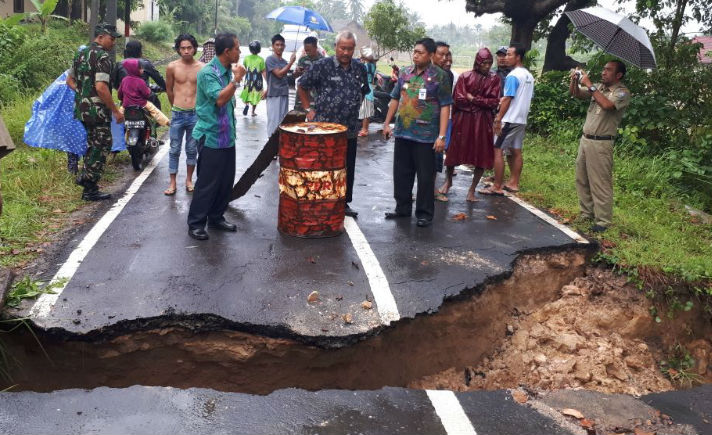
(510, 190)
(490, 192)
(441, 197)
(189, 188)
(170, 191)
(362, 133)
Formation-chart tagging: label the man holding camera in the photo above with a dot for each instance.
(594, 163)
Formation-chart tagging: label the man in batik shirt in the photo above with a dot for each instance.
(340, 82)
(422, 97)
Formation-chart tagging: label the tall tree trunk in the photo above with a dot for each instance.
(676, 24)
(111, 10)
(523, 32)
(556, 58)
(94, 19)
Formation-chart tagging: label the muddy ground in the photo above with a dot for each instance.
(598, 334)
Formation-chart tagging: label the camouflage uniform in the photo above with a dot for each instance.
(91, 65)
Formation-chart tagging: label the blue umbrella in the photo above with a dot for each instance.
(300, 16)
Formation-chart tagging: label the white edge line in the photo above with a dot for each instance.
(550, 220)
(386, 304)
(452, 416)
(46, 301)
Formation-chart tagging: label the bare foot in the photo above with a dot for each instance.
(445, 188)
(471, 197)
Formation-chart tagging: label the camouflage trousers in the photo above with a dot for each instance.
(98, 147)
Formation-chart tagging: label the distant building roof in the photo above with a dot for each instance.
(355, 28)
(706, 50)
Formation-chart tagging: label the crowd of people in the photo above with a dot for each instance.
(441, 120)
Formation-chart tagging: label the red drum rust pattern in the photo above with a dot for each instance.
(312, 179)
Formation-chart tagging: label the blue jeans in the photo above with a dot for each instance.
(182, 123)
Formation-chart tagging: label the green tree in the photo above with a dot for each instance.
(227, 22)
(356, 10)
(387, 23)
(254, 11)
(189, 15)
(670, 15)
(44, 12)
(332, 10)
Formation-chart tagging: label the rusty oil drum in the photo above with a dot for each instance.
(312, 179)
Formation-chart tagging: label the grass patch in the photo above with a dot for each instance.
(26, 288)
(652, 238)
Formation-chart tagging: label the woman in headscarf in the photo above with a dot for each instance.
(476, 96)
(367, 109)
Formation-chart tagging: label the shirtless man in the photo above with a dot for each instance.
(181, 87)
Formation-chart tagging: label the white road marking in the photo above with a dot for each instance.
(46, 301)
(451, 414)
(386, 304)
(548, 219)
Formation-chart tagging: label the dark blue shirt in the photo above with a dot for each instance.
(339, 91)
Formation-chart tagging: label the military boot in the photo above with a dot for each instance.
(92, 192)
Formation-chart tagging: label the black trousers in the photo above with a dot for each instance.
(216, 173)
(350, 167)
(411, 158)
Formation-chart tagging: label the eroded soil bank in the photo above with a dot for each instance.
(549, 325)
(598, 335)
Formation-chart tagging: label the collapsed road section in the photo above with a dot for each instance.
(384, 303)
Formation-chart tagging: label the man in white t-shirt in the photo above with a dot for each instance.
(511, 122)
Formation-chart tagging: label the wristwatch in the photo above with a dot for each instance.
(592, 89)
(236, 83)
(441, 137)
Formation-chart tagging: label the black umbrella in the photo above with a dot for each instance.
(617, 35)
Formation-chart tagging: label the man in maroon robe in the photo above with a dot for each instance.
(472, 141)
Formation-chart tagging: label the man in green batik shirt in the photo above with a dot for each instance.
(94, 105)
(215, 134)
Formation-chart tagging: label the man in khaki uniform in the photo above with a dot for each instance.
(594, 164)
(6, 146)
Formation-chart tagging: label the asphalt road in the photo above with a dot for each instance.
(143, 266)
(159, 410)
(142, 410)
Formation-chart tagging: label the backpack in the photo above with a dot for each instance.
(254, 80)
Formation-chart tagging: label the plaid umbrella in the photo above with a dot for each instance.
(617, 35)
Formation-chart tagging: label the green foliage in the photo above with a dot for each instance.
(388, 24)
(155, 31)
(26, 288)
(44, 12)
(11, 37)
(679, 366)
(233, 24)
(190, 16)
(51, 55)
(12, 20)
(356, 10)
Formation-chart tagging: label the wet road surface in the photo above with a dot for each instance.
(195, 411)
(145, 266)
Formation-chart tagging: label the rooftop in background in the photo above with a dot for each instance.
(706, 50)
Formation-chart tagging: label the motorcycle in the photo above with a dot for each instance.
(140, 134)
(382, 94)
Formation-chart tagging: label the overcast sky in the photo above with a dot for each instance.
(434, 12)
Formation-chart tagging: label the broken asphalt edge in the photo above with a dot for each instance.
(206, 322)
